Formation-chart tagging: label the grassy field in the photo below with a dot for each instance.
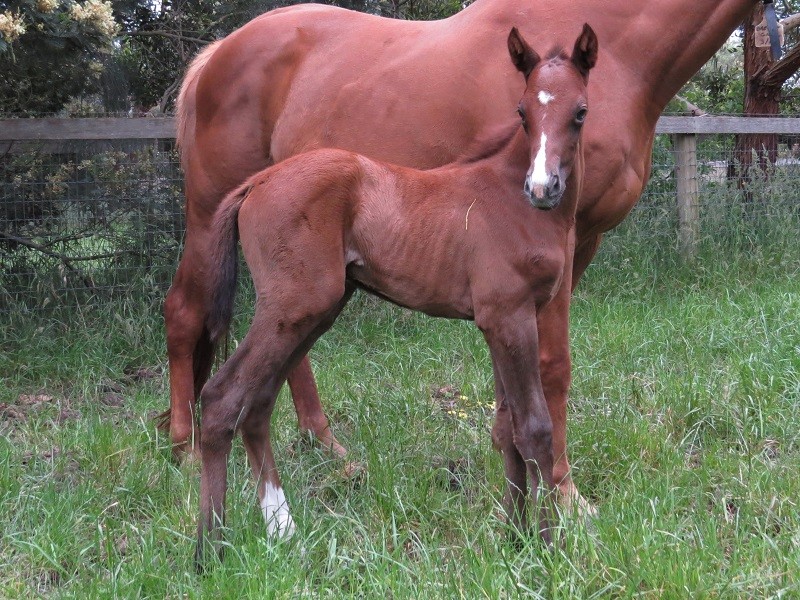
(684, 431)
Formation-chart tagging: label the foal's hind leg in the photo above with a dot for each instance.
(256, 436)
(240, 395)
(191, 356)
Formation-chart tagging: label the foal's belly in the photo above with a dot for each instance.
(434, 291)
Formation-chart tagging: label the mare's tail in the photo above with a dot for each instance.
(224, 262)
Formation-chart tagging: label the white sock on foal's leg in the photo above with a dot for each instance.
(276, 511)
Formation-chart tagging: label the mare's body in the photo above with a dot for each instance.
(489, 240)
(417, 94)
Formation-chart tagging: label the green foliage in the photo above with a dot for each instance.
(59, 55)
(161, 38)
(718, 87)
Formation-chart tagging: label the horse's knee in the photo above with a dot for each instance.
(220, 415)
(534, 440)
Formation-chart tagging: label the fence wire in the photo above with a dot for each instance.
(85, 222)
(760, 207)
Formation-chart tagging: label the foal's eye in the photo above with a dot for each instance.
(580, 116)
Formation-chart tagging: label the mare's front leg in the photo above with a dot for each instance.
(513, 341)
(556, 373)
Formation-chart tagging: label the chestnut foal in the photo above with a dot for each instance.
(488, 239)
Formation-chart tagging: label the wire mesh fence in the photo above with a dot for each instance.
(731, 209)
(84, 222)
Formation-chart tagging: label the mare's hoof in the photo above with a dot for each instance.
(325, 440)
(186, 454)
(571, 503)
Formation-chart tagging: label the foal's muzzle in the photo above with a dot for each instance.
(545, 196)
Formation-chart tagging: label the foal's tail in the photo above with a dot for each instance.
(224, 262)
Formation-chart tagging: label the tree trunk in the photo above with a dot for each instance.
(760, 98)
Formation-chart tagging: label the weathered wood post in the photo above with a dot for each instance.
(688, 195)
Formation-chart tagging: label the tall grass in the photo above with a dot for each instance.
(683, 431)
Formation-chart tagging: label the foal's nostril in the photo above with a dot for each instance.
(527, 187)
(555, 183)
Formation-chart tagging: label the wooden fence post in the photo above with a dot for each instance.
(688, 195)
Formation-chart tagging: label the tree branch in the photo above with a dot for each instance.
(692, 109)
(780, 71)
(168, 34)
(790, 22)
(66, 261)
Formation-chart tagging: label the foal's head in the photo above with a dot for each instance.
(553, 110)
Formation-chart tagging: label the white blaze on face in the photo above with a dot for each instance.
(545, 97)
(276, 512)
(537, 177)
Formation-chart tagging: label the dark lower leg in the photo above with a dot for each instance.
(513, 466)
(213, 485)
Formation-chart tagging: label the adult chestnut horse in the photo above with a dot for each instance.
(417, 93)
(319, 225)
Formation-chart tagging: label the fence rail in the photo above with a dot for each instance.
(89, 206)
(148, 128)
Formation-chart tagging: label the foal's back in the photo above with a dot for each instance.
(420, 239)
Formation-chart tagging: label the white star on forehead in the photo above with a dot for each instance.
(545, 97)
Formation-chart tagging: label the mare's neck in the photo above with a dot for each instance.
(648, 48)
(665, 42)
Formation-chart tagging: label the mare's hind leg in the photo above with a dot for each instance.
(189, 349)
(310, 415)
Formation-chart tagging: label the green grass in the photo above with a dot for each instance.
(684, 431)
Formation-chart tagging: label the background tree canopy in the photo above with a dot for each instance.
(100, 56)
(51, 51)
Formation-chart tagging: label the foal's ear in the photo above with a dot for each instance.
(522, 55)
(584, 55)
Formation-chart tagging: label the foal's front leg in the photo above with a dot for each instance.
(513, 464)
(513, 342)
